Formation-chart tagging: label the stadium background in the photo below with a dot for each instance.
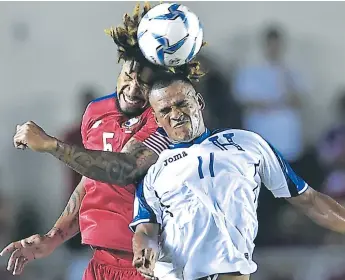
(55, 55)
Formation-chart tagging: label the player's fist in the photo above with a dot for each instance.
(26, 250)
(145, 256)
(145, 263)
(31, 135)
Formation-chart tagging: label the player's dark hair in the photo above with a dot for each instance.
(169, 79)
(273, 32)
(125, 37)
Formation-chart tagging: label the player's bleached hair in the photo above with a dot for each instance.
(125, 37)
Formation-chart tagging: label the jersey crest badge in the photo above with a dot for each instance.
(129, 124)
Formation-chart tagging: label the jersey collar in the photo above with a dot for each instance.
(197, 140)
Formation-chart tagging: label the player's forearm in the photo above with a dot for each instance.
(146, 236)
(324, 210)
(142, 240)
(64, 231)
(115, 168)
(67, 225)
(328, 213)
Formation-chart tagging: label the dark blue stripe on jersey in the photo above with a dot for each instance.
(197, 140)
(294, 182)
(113, 95)
(144, 209)
(211, 164)
(201, 175)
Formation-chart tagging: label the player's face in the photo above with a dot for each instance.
(274, 49)
(132, 88)
(178, 111)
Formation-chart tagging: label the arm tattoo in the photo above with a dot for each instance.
(68, 223)
(56, 231)
(73, 204)
(122, 169)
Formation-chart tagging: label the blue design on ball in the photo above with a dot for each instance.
(164, 46)
(173, 14)
(192, 52)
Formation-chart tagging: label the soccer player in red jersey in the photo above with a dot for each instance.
(121, 122)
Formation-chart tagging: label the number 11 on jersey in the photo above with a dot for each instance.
(210, 166)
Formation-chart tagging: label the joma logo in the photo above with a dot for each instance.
(174, 158)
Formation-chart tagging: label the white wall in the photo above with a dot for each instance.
(49, 49)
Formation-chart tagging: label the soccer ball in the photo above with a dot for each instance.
(170, 35)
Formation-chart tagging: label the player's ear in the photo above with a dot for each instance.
(156, 119)
(201, 101)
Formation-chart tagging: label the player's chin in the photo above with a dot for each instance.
(133, 108)
(182, 134)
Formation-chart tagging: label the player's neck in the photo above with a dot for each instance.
(201, 131)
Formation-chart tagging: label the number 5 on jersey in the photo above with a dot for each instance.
(210, 166)
(106, 143)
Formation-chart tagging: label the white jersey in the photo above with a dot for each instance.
(204, 196)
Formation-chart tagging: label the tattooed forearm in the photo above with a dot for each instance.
(122, 168)
(56, 232)
(68, 223)
(74, 203)
(65, 232)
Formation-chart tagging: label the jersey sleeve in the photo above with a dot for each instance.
(85, 124)
(150, 137)
(276, 173)
(146, 206)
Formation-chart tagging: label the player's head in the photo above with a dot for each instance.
(133, 84)
(273, 42)
(177, 107)
(137, 74)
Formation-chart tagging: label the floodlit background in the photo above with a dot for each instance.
(277, 68)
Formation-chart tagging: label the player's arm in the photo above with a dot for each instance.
(145, 248)
(282, 181)
(67, 225)
(39, 246)
(146, 227)
(322, 209)
(128, 166)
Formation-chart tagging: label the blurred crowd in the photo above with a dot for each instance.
(267, 97)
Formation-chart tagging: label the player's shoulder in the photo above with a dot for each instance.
(160, 164)
(248, 140)
(102, 104)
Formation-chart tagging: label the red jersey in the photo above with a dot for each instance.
(106, 209)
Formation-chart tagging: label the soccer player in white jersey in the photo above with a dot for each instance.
(195, 212)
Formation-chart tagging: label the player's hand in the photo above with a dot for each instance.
(145, 255)
(31, 135)
(144, 261)
(26, 250)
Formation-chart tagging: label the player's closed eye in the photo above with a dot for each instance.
(128, 77)
(181, 104)
(164, 112)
